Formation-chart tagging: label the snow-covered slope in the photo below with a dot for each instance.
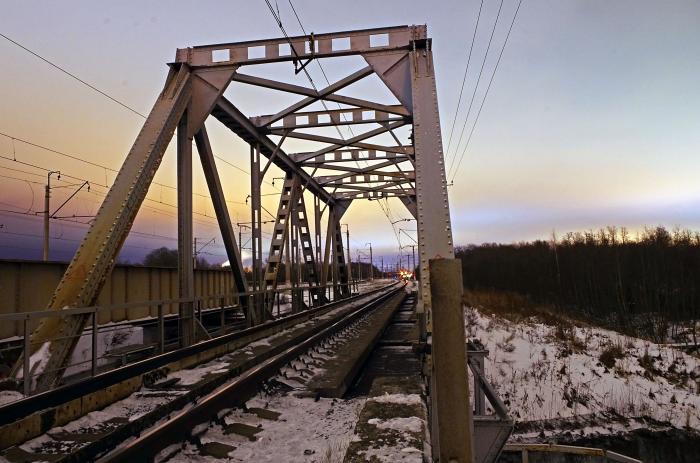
(548, 371)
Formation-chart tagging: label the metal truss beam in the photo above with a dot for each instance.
(238, 123)
(300, 90)
(351, 180)
(185, 257)
(216, 192)
(94, 259)
(369, 169)
(354, 155)
(336, 143)
(303, 47)
(371, 195)
(386, 187)
(315, 96)
(330, 118)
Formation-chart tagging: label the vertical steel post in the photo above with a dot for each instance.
(223, 316)
(293, 257)
(184, 235)
(371, 263)
(347, 238)
(450, 386)
(317, 234)
(194, 254)
(451, 434)
(479, 395)
(94, 342)
(47, 196)
(27, 380)
(256, 316)
(161, 329)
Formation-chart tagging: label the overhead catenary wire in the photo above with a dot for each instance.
(476, 86)
(101, 166)
(70, 74)
(486, 94)
(278, 19)
(87, 162)
(464, 79)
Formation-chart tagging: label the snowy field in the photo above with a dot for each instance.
(599, 378)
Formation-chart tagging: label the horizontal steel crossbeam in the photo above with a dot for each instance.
(302, 47)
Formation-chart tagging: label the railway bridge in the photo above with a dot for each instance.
(320, 328)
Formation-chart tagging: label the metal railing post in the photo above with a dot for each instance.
(223, 315)
(161, 329)
(27, 340)
(94, 342)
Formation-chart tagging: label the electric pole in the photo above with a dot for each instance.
(413, 251)
(47, 202)
(371, 262)
(347, 238)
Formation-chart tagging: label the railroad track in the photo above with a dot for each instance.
(169, 409)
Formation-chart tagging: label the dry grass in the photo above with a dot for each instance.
(610, 355)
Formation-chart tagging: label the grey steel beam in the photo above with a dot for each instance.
(410, 202)
(237, 122)
(330, 118)
(372, 194)
(336, 143)
(185, 262)
(452, 409)
(435, 242)
(298, 89)
(302, 47)
(317, 233)
(354, 155)
(96, 255)
(216, 192)
(373, 169)
(357, 184)
(257, 314)
(355, 170)
(383, 187)
(321, 94)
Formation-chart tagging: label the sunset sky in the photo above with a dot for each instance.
(593, 116)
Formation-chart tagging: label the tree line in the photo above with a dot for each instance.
(641, 284)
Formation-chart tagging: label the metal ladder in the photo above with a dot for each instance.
(279, 238)
(342, 287)
(300, 220)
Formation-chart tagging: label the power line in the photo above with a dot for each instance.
(325, 76)
(478, 80)
(101, 92)
(486, 94)
(464, 79)
(94, 164)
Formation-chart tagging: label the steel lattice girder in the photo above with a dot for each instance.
(196, 84)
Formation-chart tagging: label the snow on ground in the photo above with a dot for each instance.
(543, 372)
(306, 431)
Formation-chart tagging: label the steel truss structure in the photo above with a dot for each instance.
(337, 172)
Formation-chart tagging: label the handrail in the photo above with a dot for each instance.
(12, 411)
(32, 314)
(569, 449)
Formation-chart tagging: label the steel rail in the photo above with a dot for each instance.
(235, 393)
(19, 409)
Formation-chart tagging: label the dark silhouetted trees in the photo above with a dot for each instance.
(643, 284)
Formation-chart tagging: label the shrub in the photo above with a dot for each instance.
(610, 355)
